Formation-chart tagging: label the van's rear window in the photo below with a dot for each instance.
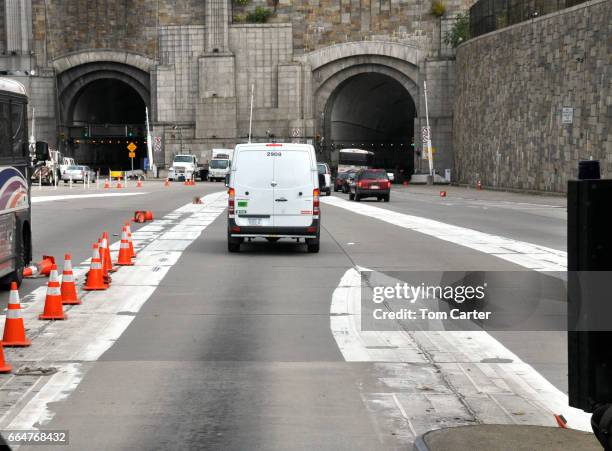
(293, 169)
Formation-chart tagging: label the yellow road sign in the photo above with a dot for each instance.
(132, 154)
(426, 153)
(131, 147)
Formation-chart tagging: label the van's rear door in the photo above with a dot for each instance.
(294, 177)
(253, 183)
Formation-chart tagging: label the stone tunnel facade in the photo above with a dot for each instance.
(195, 63)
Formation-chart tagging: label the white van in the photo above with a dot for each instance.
(273, 194)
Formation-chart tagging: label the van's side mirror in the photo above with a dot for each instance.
(227, 177)
(42, 151)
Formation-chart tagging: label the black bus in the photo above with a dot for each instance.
(15, 172)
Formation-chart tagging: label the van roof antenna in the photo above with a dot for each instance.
(251, 115)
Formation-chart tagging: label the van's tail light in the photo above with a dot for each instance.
(231, 201)
(360, 184)
(389, 184)
(315, 201)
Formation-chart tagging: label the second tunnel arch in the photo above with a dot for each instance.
(367, 97)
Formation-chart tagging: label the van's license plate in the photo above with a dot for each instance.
(254, 221)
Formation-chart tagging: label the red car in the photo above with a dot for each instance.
(371, 183)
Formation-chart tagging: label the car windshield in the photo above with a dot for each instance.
(219, 164)
(183, 159)
(75, 168)
(376, 175)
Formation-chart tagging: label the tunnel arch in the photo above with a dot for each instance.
(102, 106)
(369, 104)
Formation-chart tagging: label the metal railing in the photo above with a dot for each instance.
(491, 15)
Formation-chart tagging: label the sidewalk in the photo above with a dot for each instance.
(499, 437)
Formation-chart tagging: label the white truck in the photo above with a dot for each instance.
(184, 167)
(219, 164)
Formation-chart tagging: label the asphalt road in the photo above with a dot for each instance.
(234, 351)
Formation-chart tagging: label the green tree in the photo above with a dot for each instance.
(260, 15)
(460, 31)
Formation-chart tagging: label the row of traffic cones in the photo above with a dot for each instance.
(57, 296)
(98, 276)
(66, 293)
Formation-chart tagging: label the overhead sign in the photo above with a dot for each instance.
(131, 147)
(567, 115)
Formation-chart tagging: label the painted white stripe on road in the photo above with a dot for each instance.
(528, 255)
(495, 391)
(94, 326)
(39, 199)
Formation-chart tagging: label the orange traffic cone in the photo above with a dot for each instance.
(479, 185)
(130, 242)
(95, 275)
(53, 301)
(139, 216)
(31, 270)
(69, 291)
(442, 193)
(125, 258)
(119, 185)
(138, 184)
(108, 263)
(106, 184)
(166, 182)
(14, 330)
(105, 275)
(4, 367)
(46, 264)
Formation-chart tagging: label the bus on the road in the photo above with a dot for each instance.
(354, 159)
(15, 167)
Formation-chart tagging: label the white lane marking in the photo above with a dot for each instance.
(490, 203)
(94, 326)
(459, 355)
(528, 255)
(39, 199)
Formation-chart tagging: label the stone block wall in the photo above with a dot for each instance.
(318, 23)
(180, 48)
(262, 55)
(440, 77)
(61, 26)
(512, 86)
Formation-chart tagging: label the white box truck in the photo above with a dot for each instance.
(219, 164)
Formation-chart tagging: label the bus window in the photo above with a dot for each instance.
(18, 126)
(5, 131)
